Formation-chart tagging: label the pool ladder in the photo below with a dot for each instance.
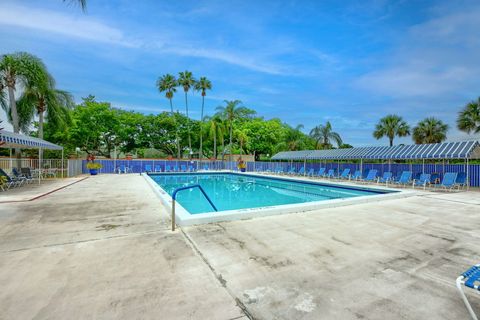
(174, 198)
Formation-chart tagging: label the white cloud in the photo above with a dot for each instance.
(81, 27)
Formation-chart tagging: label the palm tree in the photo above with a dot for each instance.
(430, 130)
(216, 129)
(186, 80)
(469, 118)
(41, 96)
(16, 68)
(293, 137)
(82, 3)
(168, 84)
(242, 138)
(323, 134)
(203, 84)
(232, 111)
(391, 126)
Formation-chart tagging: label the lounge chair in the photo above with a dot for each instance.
(292, 171)
(168, 168)
(311, 172)
(330, 173)
(148, 168)
(279, 170)
(469, 279)
(301, 171)
(449, 181)
(158, 168)
(371, 176)
(422, 181)
(461, 180)
(191, 168)
(27, 173)
(183, 168)
(206, 168)
(345, 174)
(357, 175)
(386, 178)
(321, 172)
(11, 182)
(20, 176)
(175, 168)
(405, 178)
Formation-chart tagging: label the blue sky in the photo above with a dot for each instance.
(306, 62)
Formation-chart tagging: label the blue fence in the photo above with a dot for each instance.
(138, 166)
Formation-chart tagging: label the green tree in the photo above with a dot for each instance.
(202, 85)
(242, 137)
(167, 83)
(430, 130)
(324, 134)
(469, 118)
(391, 126)
(186, 80)
(216, 129)
(232, 111)
(263, 135)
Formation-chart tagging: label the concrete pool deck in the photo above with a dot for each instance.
(101, 248)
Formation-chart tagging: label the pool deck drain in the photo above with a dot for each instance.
(365, 261)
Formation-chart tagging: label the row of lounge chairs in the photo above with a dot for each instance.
(450, 180)
(157, 168)
(16, 179)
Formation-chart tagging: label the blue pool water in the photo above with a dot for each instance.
(230, 191)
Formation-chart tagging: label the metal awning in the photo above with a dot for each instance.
(292, 155)
(15, 140)
(446, 150)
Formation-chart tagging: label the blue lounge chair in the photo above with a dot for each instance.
(121, 169)
(206, 168)
(183, 168)
(167, 168)
(11, 182)
(371, 176)
(386, 178)
(175, 168)
(148, 168)
(405, 178)
(345, 174)
(279, 170)
(422, 181)
(301, 171)
(191, 168)
(469, 279)
(158, 168)
(461, 180)
(19, 176)
(357, 175)
(448, 181)
(292, 170)
(311, 172)
(330, 173)
(321, 172)
(26, 172)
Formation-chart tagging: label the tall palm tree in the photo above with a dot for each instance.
(391, 126)
(293, 138)
(242, 138)
(168, 84)
(186, 80)
(203, 84)
(232, 111)
(323, 134)
(469, 118)
(430, 130)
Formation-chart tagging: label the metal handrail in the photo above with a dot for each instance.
(174, 198)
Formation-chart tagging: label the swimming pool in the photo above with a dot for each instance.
(239, 195)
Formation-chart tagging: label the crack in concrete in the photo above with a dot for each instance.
(218, 276)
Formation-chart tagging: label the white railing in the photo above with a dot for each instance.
(48, 168)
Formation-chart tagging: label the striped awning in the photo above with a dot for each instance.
(15, 140)
(292, 155)
(446, 150)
